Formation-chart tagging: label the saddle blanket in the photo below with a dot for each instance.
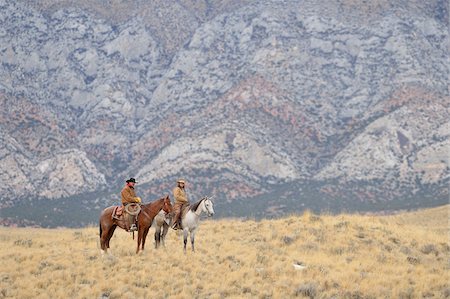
(118, 211)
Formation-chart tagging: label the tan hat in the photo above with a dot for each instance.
(181, 181)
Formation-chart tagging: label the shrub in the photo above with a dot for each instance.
(413, 260)
(307, 290)
(429, 248)
(25, 243)
(287, 240)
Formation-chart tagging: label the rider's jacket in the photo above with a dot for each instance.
(128, 195)
(180, 195)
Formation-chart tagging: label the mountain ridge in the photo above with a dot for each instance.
(240, 98)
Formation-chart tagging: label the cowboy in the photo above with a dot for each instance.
(129, 196)
(180, 200)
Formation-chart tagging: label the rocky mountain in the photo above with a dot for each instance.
(269, 106)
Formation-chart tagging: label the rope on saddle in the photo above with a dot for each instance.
(133, 209)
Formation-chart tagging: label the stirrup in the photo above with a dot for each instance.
(133, 228)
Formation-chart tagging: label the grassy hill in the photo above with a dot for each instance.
(344, 256)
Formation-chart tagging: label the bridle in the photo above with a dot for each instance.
(166, 208)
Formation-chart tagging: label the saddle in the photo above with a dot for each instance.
(127, 214)
(184, 209)
(132, 209)
(118, 211)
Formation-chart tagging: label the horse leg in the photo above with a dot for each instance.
(192, 235)
(157, 235)
(141, 232)
(164, 233)
(102, 241)
(144, 237)
(185, 235)
(111, 232)
(104, 234)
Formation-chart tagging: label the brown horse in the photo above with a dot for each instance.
(144, 221)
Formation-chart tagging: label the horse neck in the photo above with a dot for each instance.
(154, 207)
(199, 209)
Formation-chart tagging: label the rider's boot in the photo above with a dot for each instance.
(131, 221)
(175, 224)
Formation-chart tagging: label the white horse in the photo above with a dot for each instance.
(190, 221)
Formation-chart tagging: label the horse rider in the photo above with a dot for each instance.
(129, 196)
(180, 201)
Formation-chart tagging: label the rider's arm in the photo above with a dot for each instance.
(179, 195)
(128, 196)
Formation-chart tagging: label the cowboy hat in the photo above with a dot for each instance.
(181, 181)
(131, 180)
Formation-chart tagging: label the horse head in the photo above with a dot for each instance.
(208, 206)
(167, 207)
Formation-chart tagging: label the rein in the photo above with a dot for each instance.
(143, 211)
(198, 206)
(146, 205)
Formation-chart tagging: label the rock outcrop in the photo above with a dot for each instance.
(239, 97)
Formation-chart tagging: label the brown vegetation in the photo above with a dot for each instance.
(310, 256)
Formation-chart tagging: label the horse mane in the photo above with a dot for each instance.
(153, 202)
(194, 207)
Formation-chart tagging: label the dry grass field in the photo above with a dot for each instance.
(343, 256)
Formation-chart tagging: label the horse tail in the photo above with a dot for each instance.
(100, 228)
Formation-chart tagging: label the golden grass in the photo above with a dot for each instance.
(346, 256)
